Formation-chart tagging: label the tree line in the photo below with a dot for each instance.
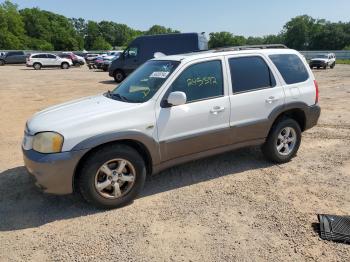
(36, 29)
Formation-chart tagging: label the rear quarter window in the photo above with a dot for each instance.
(291, 68)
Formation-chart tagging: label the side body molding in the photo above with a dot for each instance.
(148, 142)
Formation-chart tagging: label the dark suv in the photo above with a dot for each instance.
(15, 57)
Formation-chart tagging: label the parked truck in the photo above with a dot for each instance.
(144, 48)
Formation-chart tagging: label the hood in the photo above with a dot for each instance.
(76, 114)
(319, 59)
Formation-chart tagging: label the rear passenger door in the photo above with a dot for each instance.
(255, 92)
(52, 60)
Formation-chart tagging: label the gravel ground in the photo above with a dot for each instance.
(234, 206)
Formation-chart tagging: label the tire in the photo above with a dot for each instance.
(2, 62)
(318, 67)
(64, 65)
(119, 76)
(333, 65)
(325, 67)
(37, 66)
(90, 176)
(273, 142)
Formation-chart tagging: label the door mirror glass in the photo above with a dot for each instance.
(177, 98)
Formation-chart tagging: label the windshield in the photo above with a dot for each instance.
(141, 85)
(321, 56)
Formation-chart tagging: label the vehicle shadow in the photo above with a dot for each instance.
(108, 82)
(47, 69)
(23, 206)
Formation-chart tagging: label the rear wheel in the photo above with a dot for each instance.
(112, 176)
(119, 76)
(37, 66)
(64, 65)
(283, 141)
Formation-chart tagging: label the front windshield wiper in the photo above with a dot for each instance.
(118, 96)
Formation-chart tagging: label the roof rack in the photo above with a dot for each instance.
(251, 47)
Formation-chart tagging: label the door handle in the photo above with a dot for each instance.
(271, 100)
(217, 109)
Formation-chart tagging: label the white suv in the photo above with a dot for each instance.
(323, 60)
(37, 61)
(171, 110)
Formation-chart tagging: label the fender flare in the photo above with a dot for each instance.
(132, 135)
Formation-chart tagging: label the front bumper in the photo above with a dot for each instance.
(312, 116)
(317, 64)
(54, 172)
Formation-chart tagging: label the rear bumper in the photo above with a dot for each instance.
(53, 172)
(312, 116)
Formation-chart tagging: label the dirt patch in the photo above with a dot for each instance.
(234, 206)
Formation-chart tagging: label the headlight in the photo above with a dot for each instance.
(48, 142)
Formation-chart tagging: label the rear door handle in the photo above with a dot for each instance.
(271, 100)
(217, 109)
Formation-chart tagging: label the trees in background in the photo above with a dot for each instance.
(32, 28)
(12, 31)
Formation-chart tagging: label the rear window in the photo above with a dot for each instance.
(14, 53)
(291, 68)
(39, 56)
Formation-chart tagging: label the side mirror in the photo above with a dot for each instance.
(177, 98)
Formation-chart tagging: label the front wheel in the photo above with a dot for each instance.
(2, 62)
(119, 76)
(283, 141)
(112, 176)
(333, 65)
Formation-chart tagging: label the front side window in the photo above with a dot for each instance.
(250, 73)
(142, 84)
(131, 52)
(291, 68)
(200, 81)
(51, 56)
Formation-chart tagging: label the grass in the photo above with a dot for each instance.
(343, 61)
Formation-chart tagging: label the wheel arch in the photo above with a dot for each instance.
(296, 111)
(146, 147)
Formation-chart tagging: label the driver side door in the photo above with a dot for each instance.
(131, 59)
(203, 122)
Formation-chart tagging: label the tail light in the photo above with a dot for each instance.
(317, 92)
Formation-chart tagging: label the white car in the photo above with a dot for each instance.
(115, 53)
(172, 109)
(38, 61)
(81, 59)
(323, 61)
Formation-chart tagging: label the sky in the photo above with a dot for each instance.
(248, 18)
